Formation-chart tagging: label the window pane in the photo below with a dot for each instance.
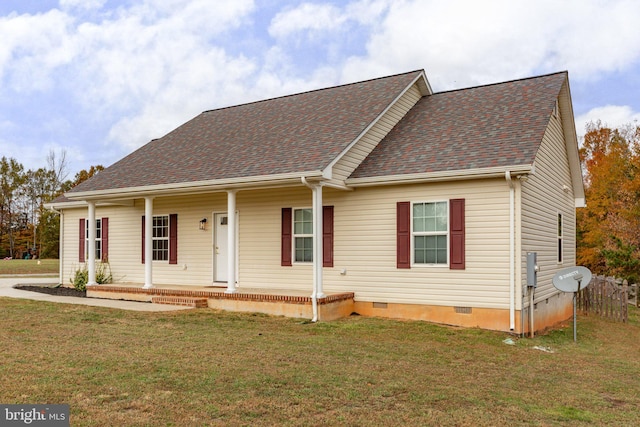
(303, 221)
(430, 217)
(559, 225)
(304, 249)
(430, 249)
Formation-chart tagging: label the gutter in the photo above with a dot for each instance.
(450, 175)
(182, 188)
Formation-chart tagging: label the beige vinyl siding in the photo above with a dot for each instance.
(543, 197)
(365, 245)
(260, 239)
(350, 161)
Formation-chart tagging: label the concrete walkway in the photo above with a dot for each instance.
(7, 290)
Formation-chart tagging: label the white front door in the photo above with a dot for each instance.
(220, 247)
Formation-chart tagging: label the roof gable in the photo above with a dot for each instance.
(491, 126)
(290, 134)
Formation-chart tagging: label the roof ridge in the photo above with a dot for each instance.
(502, 83)
(312, 91)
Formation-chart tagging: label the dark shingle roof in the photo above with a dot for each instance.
(481, 127)
(296, 133)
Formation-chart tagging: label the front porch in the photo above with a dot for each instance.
(277, 302)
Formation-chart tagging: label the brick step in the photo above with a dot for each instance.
(196, 302)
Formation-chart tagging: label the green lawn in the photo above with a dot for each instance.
(29, 266)
(203, 367)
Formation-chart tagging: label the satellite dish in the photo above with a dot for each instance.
(572, 279)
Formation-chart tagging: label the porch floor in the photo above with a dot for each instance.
(285, 302)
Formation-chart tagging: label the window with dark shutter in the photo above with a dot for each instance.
(105, 239)
(403, 235)
(327, 236)
(173, 239)
(81, 241)
(457, 234)
(286, 242)
(164, 238)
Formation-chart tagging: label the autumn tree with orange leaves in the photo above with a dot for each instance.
(608, 240)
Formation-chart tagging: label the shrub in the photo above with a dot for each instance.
(81, 276)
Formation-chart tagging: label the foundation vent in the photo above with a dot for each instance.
(379, 305)
(462, 310)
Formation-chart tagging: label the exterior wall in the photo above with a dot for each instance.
(365, 245)
(545, 194)
(350, 161)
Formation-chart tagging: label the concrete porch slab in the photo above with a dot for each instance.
(278, 302)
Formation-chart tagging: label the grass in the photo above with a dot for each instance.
(28, 266)
(204, 367)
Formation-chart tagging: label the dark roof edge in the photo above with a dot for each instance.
(313, 90)
(566, 73)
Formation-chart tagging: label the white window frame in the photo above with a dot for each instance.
(98, 246)
(560, 238)
(295, 235)
(415, 234)
(154, 250)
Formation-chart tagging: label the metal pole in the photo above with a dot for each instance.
(575, 302)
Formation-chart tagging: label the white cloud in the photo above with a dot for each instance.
(464, 43)
(33, 45)
(82, 4)
(613, 116)
(306, 17)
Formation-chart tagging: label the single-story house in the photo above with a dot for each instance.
(381, 195)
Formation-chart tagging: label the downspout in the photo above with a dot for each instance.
(512, 250)
(314, 294)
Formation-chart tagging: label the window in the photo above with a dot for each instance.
(303, 235)
(560, 254)
(164, 238)
(430, 233)
(423, 232)
(160, 238)
(98, 239)
(303, 246)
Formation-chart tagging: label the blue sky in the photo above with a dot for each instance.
(100, 78)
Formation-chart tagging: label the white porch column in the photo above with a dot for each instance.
(148, 243)
(231, 240)
(317, 242)
(91, 244)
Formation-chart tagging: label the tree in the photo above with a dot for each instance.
(12, 178)
(609, 227)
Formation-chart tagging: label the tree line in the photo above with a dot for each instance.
(27, 229)
(608, 228)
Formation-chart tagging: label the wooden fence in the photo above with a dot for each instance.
(606, 297)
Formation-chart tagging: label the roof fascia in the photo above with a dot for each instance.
(246, 183)
(571, 142)
(425, 89)
(454, 175)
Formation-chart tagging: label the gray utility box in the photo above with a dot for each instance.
(532, 269)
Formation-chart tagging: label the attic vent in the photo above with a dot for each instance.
(462, 310)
